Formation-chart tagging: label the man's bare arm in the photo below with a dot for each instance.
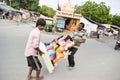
(39, 51)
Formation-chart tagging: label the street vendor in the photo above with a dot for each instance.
(79, 36)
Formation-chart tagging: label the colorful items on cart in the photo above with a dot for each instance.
(59, 48)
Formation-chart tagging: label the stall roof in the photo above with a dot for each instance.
(36, 13)
(6, 8)
(114, 26)
(99, 24)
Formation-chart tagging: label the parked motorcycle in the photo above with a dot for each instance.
(117, 46)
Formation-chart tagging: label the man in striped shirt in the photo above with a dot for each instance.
(79, 36)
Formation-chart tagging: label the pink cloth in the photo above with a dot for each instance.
(32, 43)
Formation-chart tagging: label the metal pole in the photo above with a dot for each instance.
(10, 2)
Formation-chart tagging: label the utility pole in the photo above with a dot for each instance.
(10, 2)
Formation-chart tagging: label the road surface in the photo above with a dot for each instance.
(95, 60)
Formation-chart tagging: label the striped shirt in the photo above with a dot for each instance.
(78, 35)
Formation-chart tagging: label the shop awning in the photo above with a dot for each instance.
(6, 8)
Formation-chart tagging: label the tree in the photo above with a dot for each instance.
(47, 11)
(32, 5)
(116, 20)
(15, 4)
(94, 11)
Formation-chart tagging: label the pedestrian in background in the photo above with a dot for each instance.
(98, 32)
(32, 50)
(118, 35)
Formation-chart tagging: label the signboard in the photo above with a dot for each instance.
(68, 14)
(60, 23)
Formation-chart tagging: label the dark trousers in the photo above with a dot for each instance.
(71, 61)
(98, 36)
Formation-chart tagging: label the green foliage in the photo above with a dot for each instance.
(47, 11)
(31, 5)
(94, 11)
(77, 9)
(116, 20)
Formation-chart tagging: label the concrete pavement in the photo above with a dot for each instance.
(95, 60)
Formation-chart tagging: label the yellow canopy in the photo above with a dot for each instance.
(108, 27)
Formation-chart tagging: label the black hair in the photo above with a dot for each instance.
(41, 22)
(82, 24)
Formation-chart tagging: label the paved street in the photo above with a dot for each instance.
(95, 60)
